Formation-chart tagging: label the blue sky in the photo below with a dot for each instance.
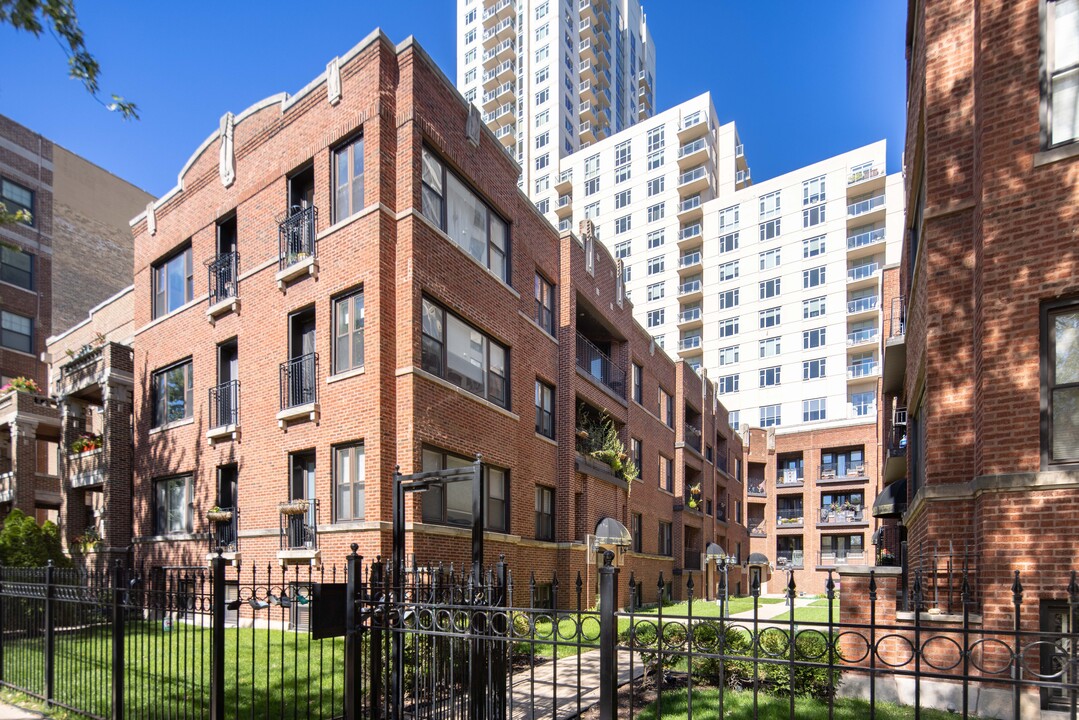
(803, 80)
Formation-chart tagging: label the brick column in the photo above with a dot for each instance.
(116, 433)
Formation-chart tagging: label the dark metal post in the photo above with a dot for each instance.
(502, 631)
(478, 626)
(118, 586)
(217, 649)
(1017, 599)
(376, 582)
(1073, 615)
(478, 519)
(1, 627)
(608, 633)
(353, 639)
(50, 636)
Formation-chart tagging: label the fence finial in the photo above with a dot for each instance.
(579, 582)
(1017, 589)
(829, 584)
(964, 589)
(1073, 590)
(790, 585)
(354, 547)
(608, 558)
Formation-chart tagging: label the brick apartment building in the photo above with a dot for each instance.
(979, 359)
(379, 293)
(74, 251)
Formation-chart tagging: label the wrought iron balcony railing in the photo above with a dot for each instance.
(224, 273)
(225, 404)
(299, 381)
(596, 363)
(299, 530)
(296, 237)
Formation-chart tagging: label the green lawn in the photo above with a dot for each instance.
(738, 705)
(817, 611)
(710, 608)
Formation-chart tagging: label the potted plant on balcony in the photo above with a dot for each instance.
(21, 384)
(294, 507)
(218, 516)
(694, 499)
(598, 438)
(88, 541)
(87, 442)
(887, 559)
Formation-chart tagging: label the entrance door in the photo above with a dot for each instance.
(225, 266)
(228, 388)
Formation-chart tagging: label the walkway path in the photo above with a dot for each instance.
(10, 712)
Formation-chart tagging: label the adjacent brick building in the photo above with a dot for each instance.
(979, 357)
(379, 294)
(76, 232)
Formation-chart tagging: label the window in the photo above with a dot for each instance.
(627, 273)
(591, 167)
(813, 277)
(813, 191)
(622, 153)
(544, 206)
(543, 183)
(14, 197)
(622, 199)
(666, 407)
(769, 259)
(544, 409)
(655, 265)
(622, 173)
(348, 332)
(655, 318)
(655, 139)
(544, 304)
(728, 355)
(591, 187)
(813, 410)
(451, 504)
(655, 239)
(655, 212)
(543, 74)
(728, 384)
(1062, 70)
(543, 31)
(655, 160)
(813, 308)
(16, 332)
(728, 271)
(732, 419)
(543, 161)
(769, 204)
(173, 283)
(770, 230)
(655, 291)
(541, 11)
(728, 327)
(768, 318)
(666, 473)
(812, 369)
(17, 267)
(864, 403)
(1060, 383)
(172, 505)
(544, 513)
(348, 180)
(655, 186)
(172, 394)
(465, 218)
(470, 36)
(728, 217)
(769, 376)
(728, 299)
(348, 479)
(769, 347)
(591, 211)
(769, 288)
(543, 53)
(457, 352)
(664, 545)
(543, 96)
(812, 338)
(470, 56)
(638, 383)
(621, 250)
(813, 216)
(770, 416)
(543, 117)
(636, 530)
(811, 247)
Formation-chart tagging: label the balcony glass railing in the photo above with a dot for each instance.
(689, 260)
(690, 343)
(689, 315)
(829, 558)
(691, 175)
(506, 66)
(694, 118)
(863, 206)
(496, 8)
(739, 150)
(861, 272)
(503, 24)
(862, 336)
(692, 286)
(756, 490)
(842, 515)
(862, 304)
(866, 237)
(695, 146)
(693, 435)
(757, 527)
(565, 200)
(790, 478)
(689, 232)
(864, 369)
(790, 558)
(864, 173)
(504, 46)
(565, 176)
(834, 471)
(690, 203)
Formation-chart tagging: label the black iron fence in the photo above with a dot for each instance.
(437, 643)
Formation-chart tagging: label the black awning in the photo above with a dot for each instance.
(892, 500)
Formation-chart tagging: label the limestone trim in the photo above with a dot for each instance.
(983, 484)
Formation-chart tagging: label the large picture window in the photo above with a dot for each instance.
(348, 477)
(172, 505)
(348, 332)
(455, 351)
(451, 504)
(1060, 384)
(172, 394)
(348, 180)
(469, 222)
(173, 283)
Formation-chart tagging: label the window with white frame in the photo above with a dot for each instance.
(728, 243)
(769, 259)
(470, 17)
(543, 31)
(728, 271)
(728, 327)
(543, 161)
(591, 211)
(543, 74)
(813, 409)
(728, 384)
(655, 138)
(543, 117)
(813, 369)
(543, 183)
(621, 250)
(541, 10)
(1061, 73)
(622, 199)
(656, 185)
(655, 239)
(812, 338)
(655, 160)
(16, 332)
(732, 419)
(770, 415)
(728, 355)
(812, 308)
(542, 139)
(813, 277)
(591, 187)
(543, 53)
(656, 291)
(811, 247)
(769, 289)
(470, 77)
(470, 36)
(543, 96)
(769, 376)
(769, 347)
(655, 212)
(470, 56)
(864, 403)
(655, 265)
(655, 317)
(813, 191)
(813, 216)
(770, 230)
(728, 299)
(623, 224)
(728, 217)
(768, 318)
(769, 204)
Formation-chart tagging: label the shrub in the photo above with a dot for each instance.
(23, 543)
(809, 646)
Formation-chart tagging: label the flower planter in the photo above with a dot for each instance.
(219, 516)
(298, 507)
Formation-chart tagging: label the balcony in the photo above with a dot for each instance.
(790, 559)
(690, 261)
(739, 150)
(225, 533)
(895, 348)
(757, 527)
(690, 209)
(689, 345)
(690, 290)
(298, 533)
(850, 473)
(865, 240)
(693, 153)
(688, 234)
(789, 480)
(507, 135)
(223, 283)
(846, 514)
(224, 411)
(692, 559)
(506, 29)
(790, 518)
(742, 178)
(693, 181)
(500, 116)
(895, 458)
(832, 558)
(502, 52)
(864, 206)
(595, 363)
(858, 274)
(863, 336)
(296, 246)
(864, 174)
(588, 112)
(692, 435)
(693, 125)
(690, 317)
(590, 11)
(587, 49)
(863, 305)
(501, 74)
(87, 469)
(498, 12)
(7, 486)
(503, 94)
(564, 183)
(756, 489)
(299, 389)
(863, 370)
(87, 370)
(564, 206)
(587, 133)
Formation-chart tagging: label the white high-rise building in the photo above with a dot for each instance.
(772, 287)
(554, 76)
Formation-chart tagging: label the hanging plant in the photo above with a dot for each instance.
(600, 441)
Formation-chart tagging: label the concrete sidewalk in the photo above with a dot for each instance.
(10, 712)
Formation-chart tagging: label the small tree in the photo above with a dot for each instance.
(24, 543)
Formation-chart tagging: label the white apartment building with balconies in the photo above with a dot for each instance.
(772, 287)
(553, 76)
